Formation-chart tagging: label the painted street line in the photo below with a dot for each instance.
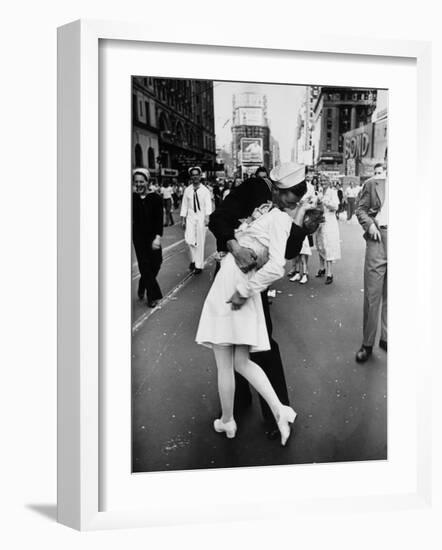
(136, 274)
(143, 318)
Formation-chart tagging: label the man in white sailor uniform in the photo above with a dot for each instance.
(196, 208)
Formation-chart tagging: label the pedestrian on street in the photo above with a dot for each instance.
(350, 197)
(261, 172)
(217, 194)
(175, 198)
(195, 211)
(372, 214)
(299, 271)
(179, 193)
(147, 229)
(341, 200)
(166, 193)
(227, 188)
(239, 204)
(327, 237)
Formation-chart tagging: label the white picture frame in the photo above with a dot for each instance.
(79, 268)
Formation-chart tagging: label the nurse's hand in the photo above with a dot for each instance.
(312, 219)
(237, 301)
(183, 223)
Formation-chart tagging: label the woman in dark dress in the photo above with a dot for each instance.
(147, 230)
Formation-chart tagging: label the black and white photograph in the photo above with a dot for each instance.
(259, 274)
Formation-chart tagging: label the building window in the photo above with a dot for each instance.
(151, 158)
(341, 144)
(146, 106)
(179, 132)
(138, 156)
(134, 108)
(164, 126)
(140, 105)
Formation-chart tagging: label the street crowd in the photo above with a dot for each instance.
(260, 224)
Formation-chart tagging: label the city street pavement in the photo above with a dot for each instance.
(341, 405)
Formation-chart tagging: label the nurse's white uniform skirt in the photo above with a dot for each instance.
(220, 324)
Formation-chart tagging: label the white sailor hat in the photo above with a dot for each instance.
(195, 168)
(143, 171)
(288, 175)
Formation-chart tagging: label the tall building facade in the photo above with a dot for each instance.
(303, 151)
(336, 111)
(367, 145)
(275, 155)
(251, 146)
(224, 158)
(173, 126)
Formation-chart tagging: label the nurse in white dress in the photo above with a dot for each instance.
(232, 320)
(196, 208)
(327, 236)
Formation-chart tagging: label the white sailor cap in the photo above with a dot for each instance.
(195, 168)
(288, 175)
(143, 171)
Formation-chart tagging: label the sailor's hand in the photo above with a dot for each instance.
(156, 243)
(245, 258)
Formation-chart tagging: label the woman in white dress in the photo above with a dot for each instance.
(299, 271)
(232, 320)
(327, 236)
(300, 264)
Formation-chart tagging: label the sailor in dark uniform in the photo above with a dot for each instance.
(147, 230)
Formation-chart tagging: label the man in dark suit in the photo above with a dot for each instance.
(372, 214)
(239, 204)
(147, 229)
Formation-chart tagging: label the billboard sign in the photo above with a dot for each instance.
(249, 116)
(351, 167)
(251, 151)
(359, 143)
(169, 172)
(249, 99)
(380, 146)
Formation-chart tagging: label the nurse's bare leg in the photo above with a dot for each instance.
(226, 380)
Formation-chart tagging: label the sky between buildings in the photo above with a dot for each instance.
(283, 103)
